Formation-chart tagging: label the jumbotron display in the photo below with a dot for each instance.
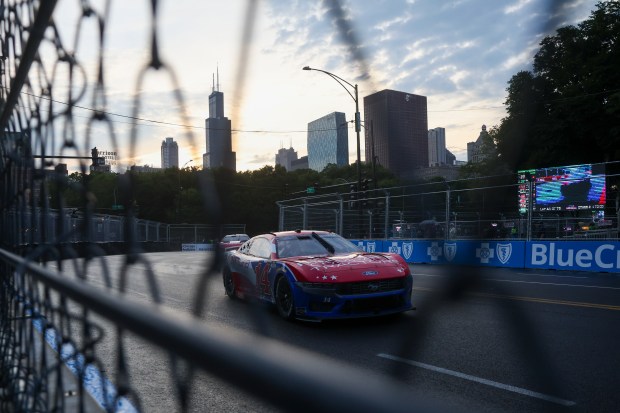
(563, 188)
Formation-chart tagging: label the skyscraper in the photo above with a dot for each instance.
(399, 125)
(482, 148)
(218, 134)
(328, 141)
(285, 157)
(437, 147)
(169, 153)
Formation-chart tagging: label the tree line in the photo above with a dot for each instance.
(212, 196)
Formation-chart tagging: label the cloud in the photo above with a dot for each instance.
(516, 7)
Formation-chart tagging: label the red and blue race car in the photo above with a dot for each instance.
(317, 275)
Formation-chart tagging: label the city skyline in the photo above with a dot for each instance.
(460, 55)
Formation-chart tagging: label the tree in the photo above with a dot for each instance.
(565, 111)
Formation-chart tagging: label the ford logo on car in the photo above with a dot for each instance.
(368, 273)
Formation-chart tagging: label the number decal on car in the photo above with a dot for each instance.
(262, 278)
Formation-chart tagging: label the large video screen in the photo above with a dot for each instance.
(564, 188)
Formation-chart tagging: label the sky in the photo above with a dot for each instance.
(459, 54)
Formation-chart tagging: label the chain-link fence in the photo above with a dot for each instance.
(445, 211)
(24, 229)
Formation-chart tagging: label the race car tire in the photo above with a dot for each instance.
(284, 299)
(229, 283)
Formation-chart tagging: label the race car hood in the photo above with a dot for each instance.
(348, 268)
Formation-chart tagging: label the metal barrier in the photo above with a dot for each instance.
(50, 320)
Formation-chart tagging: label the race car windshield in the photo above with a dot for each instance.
(340, 245)
(304, 245)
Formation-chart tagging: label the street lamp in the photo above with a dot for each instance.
(354, 96)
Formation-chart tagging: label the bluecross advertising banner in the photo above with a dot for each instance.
(559, 255)
(574, 255)
(484, 253)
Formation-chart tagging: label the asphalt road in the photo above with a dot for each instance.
(484, 340)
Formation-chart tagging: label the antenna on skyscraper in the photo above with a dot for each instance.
(217, 68)
(213, 87)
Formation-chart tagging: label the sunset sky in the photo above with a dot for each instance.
(460, 54)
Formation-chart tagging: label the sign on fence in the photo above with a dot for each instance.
(197, 247)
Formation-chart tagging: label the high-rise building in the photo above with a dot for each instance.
(285, 157)
(301, 163)
(482, 148)
(328, 141)
(219, 151)
(437, 147)
(169, 153)
(450, 158)
(396, 126)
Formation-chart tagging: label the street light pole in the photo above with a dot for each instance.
(358, 126)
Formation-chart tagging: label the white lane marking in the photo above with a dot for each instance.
(533, 282)
(555, 284)
(480, 380)
(549, 275)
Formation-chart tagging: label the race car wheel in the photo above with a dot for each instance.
(229, 283)
(284, 299)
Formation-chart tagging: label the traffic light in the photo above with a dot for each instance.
(352, 195)
(364, 195)
(365, 185)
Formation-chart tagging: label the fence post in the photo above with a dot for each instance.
(387, 215)
(280, 216)
(340, 214)
(447, 230)
(305, 212)
(529, 211)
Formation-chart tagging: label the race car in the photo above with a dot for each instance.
(232, 241)
(317, 275)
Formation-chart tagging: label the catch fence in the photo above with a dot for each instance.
(482, 210)
(38, 226)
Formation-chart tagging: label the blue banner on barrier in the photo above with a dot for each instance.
(574, 255)
(560, 255)
(485, 253)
